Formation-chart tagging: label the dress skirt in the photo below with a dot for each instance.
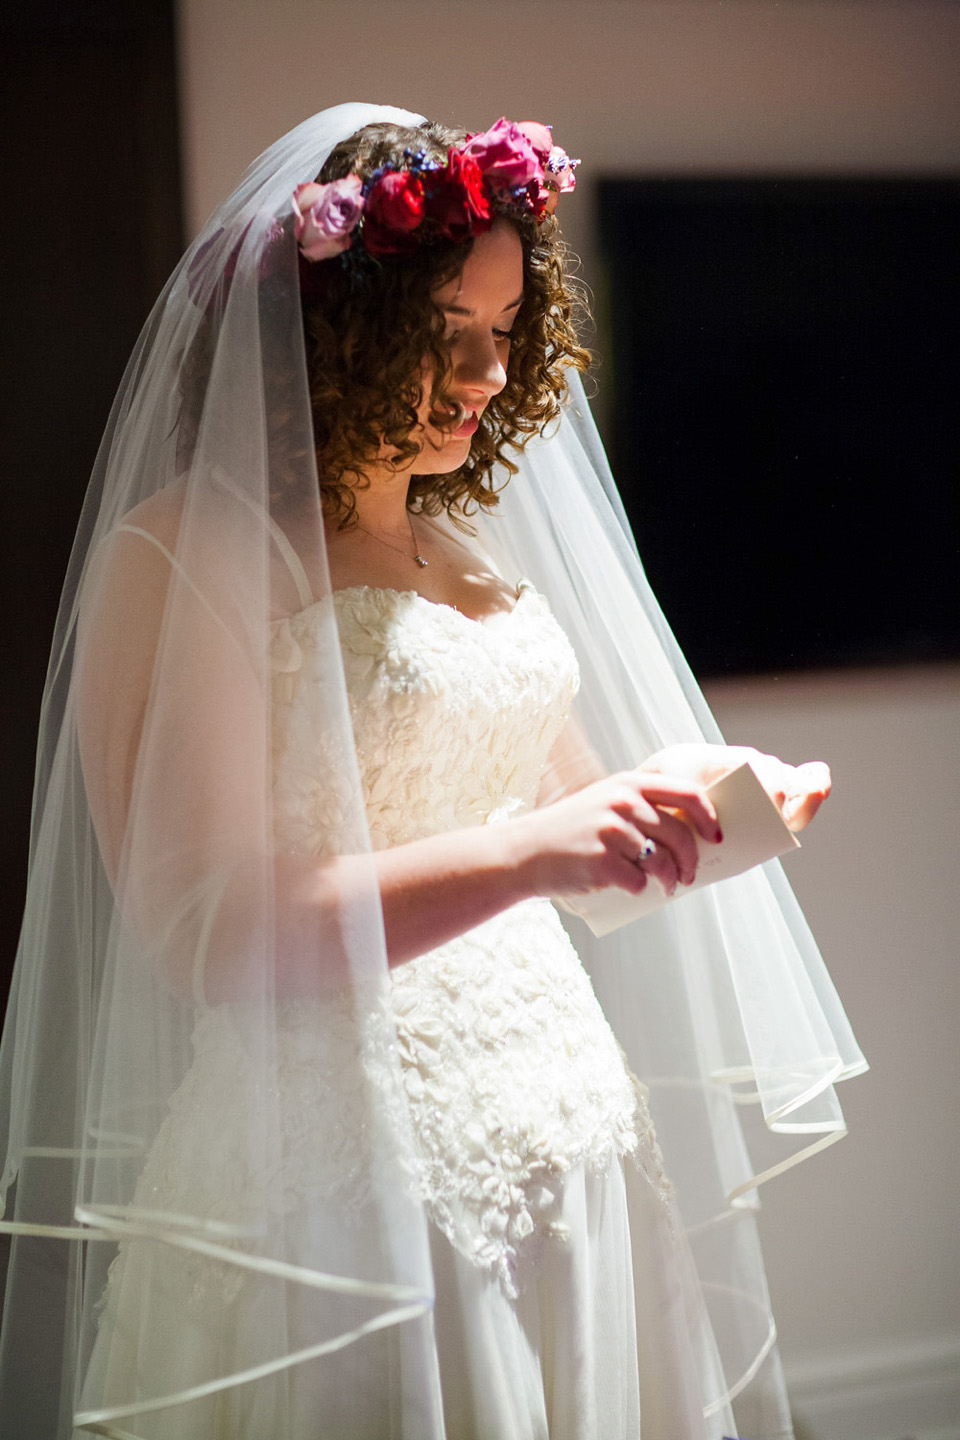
(602, 1341)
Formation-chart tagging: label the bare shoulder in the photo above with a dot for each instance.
(132, 561)
(164, 536)
(157, 544)
(159, 515)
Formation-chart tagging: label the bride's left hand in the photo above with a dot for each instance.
(798, 791)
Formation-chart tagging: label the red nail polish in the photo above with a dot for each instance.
(719, 835)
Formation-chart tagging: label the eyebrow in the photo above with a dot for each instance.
(462, 309)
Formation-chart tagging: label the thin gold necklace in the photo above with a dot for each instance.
(416, 557)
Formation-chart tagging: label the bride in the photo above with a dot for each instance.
(300, 1047)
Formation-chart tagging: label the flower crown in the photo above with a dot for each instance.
(507, 169)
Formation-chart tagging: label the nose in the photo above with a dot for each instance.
(478, 367)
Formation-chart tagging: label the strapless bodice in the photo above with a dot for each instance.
(512, 1076)
(453, 718)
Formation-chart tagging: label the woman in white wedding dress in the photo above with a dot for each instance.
(364, 1154)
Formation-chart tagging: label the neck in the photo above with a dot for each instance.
(381, 513)
(381, 506)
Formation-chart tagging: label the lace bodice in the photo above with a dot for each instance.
(512, 1074)
(453, 718)
(511, 1071)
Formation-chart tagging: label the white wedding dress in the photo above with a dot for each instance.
(563, 1304)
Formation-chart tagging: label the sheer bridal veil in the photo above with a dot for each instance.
(160, 919)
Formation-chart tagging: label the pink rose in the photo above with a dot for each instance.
(325, 216)
(506, 156)
(539, 137)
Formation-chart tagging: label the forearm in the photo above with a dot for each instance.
(299, 923)
(430, 890)
(441, 886)
(436, 888)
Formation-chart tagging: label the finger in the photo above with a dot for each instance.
(662, 864)
(627, 874)
(685, 795)
(622, 861)
(675, 839)
(811, 786)
(674, 834)
(817, 778)
(799, 810)
(652, 859)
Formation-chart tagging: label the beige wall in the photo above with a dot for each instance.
(629, 85)
(862, 1242)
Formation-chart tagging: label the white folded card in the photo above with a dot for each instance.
(753, 831)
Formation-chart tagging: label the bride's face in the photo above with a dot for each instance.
(481, 305)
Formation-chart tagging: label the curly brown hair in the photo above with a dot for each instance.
(369, 328)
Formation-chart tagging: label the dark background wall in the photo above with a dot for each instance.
(784, 425)
(93, 226)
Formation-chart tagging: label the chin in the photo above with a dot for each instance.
(454, 453)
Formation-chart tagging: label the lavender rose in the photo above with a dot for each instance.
(325, 216)
(558, 179)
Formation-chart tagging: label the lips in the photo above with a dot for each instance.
(468, 427)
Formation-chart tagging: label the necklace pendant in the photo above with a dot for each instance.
(421, 562)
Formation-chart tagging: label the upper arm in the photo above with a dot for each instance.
(119, 629)
(173, 722)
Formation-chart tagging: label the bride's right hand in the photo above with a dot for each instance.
(597, 837)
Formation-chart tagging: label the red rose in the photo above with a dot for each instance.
(457, 202)
(538, 197)
(394, 210)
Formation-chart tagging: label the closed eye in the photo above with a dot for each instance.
(453, 335)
